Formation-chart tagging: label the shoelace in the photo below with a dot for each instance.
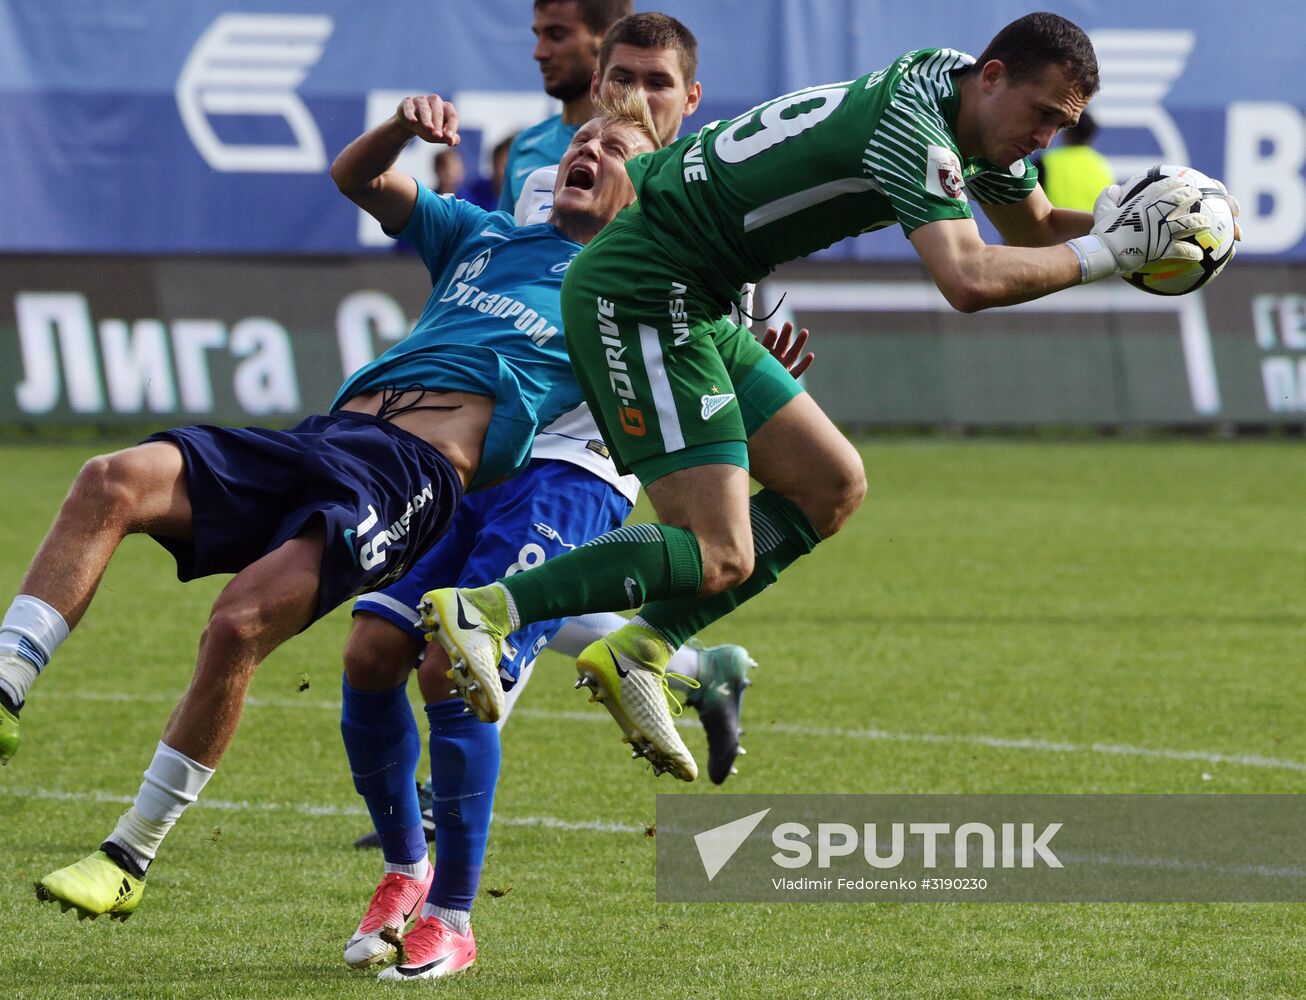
(391, 885)
(677, 706)
(426, 927)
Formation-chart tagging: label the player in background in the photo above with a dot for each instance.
(450, 172)
(657, 57)
(484, 191)
(692, 404)
(567, 37)
(341, 504)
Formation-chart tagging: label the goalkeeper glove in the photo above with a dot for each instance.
(1152, 225)
(1109, 200)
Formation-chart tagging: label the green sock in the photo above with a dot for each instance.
(614, 572)
(781, 533)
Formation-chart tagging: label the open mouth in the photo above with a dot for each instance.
(580, 176)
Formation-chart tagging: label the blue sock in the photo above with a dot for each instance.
(383, 746)
(464, 771)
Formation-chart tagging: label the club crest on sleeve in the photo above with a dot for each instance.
(943, 174)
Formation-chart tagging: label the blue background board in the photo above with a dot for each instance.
(96, 154)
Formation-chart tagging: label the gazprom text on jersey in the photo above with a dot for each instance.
(527, 320)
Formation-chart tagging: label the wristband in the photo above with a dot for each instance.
(1096, 261)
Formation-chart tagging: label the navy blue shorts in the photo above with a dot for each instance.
(382, 494)
(550, 508)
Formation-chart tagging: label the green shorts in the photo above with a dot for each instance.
(670, 382)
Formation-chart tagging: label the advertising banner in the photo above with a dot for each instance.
(164, 128)
(160, 341)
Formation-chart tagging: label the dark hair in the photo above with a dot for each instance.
(597, 15)
(653, 31)
(1034, 41)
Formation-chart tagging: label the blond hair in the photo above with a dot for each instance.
(624, 106)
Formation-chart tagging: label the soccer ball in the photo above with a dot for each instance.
(1178, 277)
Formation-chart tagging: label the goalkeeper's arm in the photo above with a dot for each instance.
(1035, 222)
(974, 275)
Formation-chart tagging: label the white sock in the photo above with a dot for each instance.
(17, 675)
(417, 869)
(32, 631)
(459, 920)
(172, 782)
(683, 661)
(577, 633)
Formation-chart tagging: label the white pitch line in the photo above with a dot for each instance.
(824, 732)
(1043, 746)
(996, 742)
(311, 809)
(170, 699)
(1175, 864)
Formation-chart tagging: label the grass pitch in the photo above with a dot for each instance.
(1140, 606)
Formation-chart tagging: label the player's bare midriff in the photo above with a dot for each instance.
(453, 422)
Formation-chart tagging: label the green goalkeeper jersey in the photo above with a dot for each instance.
(806, 170)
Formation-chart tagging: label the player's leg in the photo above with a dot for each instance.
(628, 669)
(523, 523)
(801, 455)
(786, 525)
(139, 489)
(383, 746)
(812, 480)
(293, 564)
(465, 767)
(262, 607)
(626, 673)
(465, 760)
(563, 494)
(386, 643)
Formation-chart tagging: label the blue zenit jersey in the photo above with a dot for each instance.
(540, 145)
(493, 325)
